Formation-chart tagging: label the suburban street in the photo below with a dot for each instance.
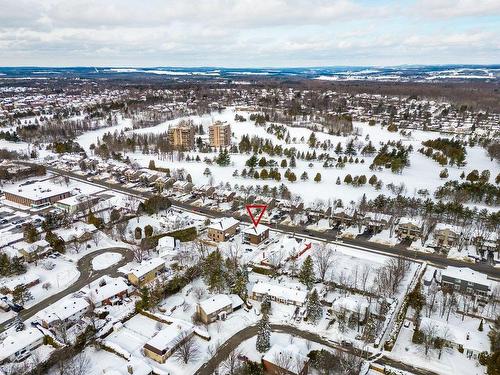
(234, 341)
(87, 275)
(357, 243)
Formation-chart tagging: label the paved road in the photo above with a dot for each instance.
(437, 259)
(234, 341)
(87, 275)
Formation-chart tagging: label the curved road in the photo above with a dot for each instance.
(87, 275)
(248, 332)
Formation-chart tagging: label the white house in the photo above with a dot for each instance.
(278, 293)
(18, 345)
(68, 311)
(107, 291)
(167, 246)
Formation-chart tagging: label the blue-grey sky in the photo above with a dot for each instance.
(248, 33)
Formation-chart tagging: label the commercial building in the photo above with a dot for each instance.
(36, 195)
(181, 137)
(219, 134)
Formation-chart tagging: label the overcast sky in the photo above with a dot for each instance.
(248, 33)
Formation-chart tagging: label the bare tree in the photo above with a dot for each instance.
(323, 260)
(232, 364)
(139, 253)
(75, 245)
(285, 363)
(187, 348)
(96, 238)
(429, 333)
(198, 292)
(365, 274)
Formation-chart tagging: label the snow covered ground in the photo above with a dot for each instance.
(105, 260)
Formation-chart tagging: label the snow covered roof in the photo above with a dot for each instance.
(377, 216)
(466, 274)
(224, 224)
(63, 309)
(256, 231)
(147, 266)
(112, 287)
(277, 354)
(215, 303)
(166, 241)
(139, 367)
(19, 340)
(409, 220)
(167, 337)
(281, 292)
(349, 303)
(37, 191)
(442, 226)
(458, 334)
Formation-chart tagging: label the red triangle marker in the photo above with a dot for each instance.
(262, 208)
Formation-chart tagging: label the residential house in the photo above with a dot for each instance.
(223, 229)
(281, 360)
(217, 307)
(203, 191)
(182, 186)
(465, 280)
(279, 293)
(67, 311)
(17, 346)
(375, 222)
(446, 235)
(223, 196)
(457, 337)
(255, 234)
(146, 272)
(167, 246)
(165, 342)
(350, 306)
(409, 228)
(343, 216)
(32, 251)
(107, 291)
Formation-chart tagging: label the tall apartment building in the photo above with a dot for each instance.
(219, 134)
(181, 137)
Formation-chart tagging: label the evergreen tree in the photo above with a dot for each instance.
(5, 268)
(148, 230)
(240, 284)
(317, 178)
(304, 176)
(373, 180)
(348, 179)
(284, 163)
(306, 274)
(293, 163)
(264, 335)
(145, 300)
(213, 271)
(252, 161)
(265, 306)
(223, 159)
(338, 148)
(312, 140)
(17, 267)
(292, 177)
(338, 181)
(480, 329)
(30, 233)
(314, 308)
(21, 295)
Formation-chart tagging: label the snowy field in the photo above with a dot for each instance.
(422, 174)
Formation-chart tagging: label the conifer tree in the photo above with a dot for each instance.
(306, 274)
(264, 335)
(314, 309)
